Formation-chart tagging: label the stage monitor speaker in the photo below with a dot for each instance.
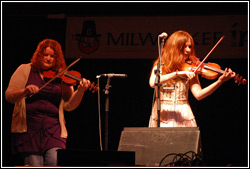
(88, 158)
(152, 145)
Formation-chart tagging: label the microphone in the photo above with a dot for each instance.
(164, 35)
(112, 75)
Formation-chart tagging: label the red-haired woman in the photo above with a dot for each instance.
(175, 108)
(38, 126)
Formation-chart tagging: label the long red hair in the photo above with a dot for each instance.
(172, 52)
(38, 54)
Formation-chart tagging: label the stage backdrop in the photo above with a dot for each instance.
(137, 37)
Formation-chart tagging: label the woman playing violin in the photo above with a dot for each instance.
(176, 82)
(38, 126)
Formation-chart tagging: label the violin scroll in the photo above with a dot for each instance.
(93, 87)
(239, 79)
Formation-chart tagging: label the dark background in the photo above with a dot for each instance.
(221, 117)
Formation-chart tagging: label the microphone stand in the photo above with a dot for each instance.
(107, 113)
(158, 84)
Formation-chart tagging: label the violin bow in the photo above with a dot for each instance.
(63, 71)
(209, 53)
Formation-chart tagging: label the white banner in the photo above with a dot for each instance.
(136, 37)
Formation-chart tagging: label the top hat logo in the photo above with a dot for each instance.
(88, 41)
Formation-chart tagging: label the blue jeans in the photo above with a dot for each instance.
(49, 158)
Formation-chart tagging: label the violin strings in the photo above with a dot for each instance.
(214, 69)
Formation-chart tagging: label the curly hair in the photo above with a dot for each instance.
(172, 53)
(41, 47)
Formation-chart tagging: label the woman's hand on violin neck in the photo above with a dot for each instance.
(228, 74)
(84, 85)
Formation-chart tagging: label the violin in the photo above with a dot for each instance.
(70, 78)
(210, 71)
